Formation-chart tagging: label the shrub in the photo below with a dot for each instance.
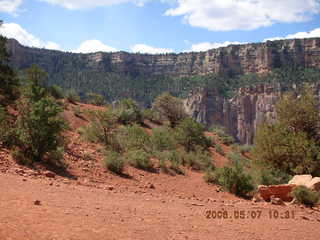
(170, 107)
(139, 159)
(96, 99)
(72, 96)
(292, 144)
(39, 126)
(189, 134)
(306, 196)
(222, 134)
(210, 175)
(102, 125)
(162, 139)
(114, 162)
(219, 149)
(245, 148)
(56, 92)
(128, 112)
(234, 180)
(133, 138)
(152, 115)
(237, 158)
(270, 176)
(199, 159)
(175, 159)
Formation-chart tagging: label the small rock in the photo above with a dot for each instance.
(151, 186)
(37, 202)
(24, 179)
(276, 201)
(305, 218)
(110, 188)
(49, 174)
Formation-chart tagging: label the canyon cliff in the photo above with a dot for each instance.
(241, 115)
(234, 59)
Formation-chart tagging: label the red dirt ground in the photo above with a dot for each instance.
(91, 203)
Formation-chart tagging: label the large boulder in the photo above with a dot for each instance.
(276, 191)
(307, 181)
(301, 180)
(314, 184)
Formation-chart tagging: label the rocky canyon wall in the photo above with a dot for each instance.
(240, 115)
(234, 59)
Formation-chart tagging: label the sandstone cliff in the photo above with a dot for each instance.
(235, 59)
(241, 115)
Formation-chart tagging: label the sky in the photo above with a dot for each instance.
(155, 26)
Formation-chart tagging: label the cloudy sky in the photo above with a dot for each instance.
(155, 26)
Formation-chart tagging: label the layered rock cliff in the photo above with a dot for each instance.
(240, 115)
(235, 59)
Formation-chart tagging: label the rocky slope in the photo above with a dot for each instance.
(236, 59)
(241, 115)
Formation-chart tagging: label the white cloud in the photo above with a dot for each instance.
(311, 34)
(94, 45)
(13, 30)
(142, 48)
(204, 46)
(85, 4)
(227, 15)
(9, 6)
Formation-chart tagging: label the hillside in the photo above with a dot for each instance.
(97, 204)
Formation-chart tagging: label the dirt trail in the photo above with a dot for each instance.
(71, 211)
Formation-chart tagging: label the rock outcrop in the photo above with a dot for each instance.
(235, 59)
(240, 115)
(276, 191)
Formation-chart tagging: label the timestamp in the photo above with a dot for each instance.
(250, 214)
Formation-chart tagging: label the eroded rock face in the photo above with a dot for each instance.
(276, 191)
(237, 59)
(240, 115)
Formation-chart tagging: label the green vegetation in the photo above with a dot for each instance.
(189, 134)
(170, 107)
(96, 99)
(221, 132)
(292, 144)
(219, 149)
(306, 196)
(234, 179)
(114, 162)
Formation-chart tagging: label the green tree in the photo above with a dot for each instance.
(293, 143)
(8, 80)
(170, 107)
(40, 126)
(96, 99)
(189, 133)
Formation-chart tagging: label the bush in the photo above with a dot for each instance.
(189, 134)
(306, 196)
(210, 175)
(103, 123)
(234, 180)
(139, 159)
(269, 176)
(77, 112)
(96, 99)
(128, 112)
(152, 115)
(162, 139)
(219, 149)
(237, 158)
(133, 138)
(170, 107)
(72, 96)
(114, 162)
(199, 159)
(175, 159)
(56, 92)
(292, 144)
(222, 134)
